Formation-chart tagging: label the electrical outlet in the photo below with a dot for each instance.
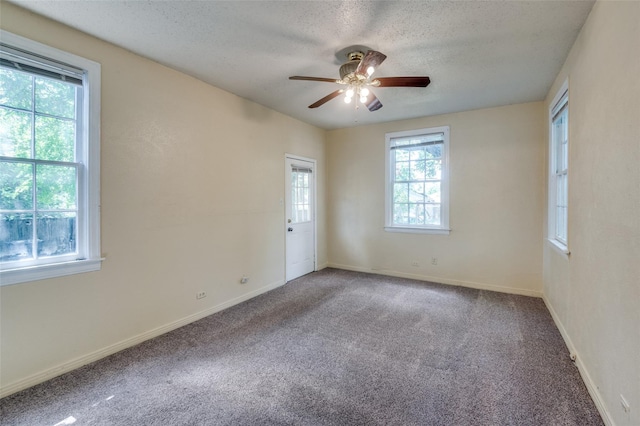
(416, 264)
(201, 295)
(434, 260)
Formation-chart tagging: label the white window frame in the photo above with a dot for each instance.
(88, 154)
(443, 229)
(560, 102)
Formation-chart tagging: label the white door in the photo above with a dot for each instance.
(299, 217)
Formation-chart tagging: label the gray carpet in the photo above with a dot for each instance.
(333, 348)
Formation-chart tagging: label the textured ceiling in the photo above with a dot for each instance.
(477, 53)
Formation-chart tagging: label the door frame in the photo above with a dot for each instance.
(287, 175)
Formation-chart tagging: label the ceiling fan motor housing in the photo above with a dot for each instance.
(350, 66)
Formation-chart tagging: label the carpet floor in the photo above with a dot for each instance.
(333, 348)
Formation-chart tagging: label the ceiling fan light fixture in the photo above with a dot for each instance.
(356, 74)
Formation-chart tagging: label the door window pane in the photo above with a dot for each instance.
(300, 197)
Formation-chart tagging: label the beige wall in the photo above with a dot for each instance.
(595, 292)
(192, 179)
(496, 191)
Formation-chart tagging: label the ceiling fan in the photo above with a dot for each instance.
(356, 75)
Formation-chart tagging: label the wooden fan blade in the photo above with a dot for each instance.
(300, 77)
(373, 103)
(326, 99)
(403, 81)
(371, 59)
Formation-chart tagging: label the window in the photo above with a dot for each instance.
(559, 168)
(417, 193)
(300, 194)
(49, 162)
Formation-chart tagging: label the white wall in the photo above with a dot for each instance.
(192, 179)
(594, 292)
(496, 191)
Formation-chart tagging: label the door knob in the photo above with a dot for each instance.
(290, 229)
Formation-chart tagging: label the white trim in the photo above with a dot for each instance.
(89, 187)
(440, 280)
(65, 367)
(322, 266)
(443, 229)
(417, 230)
(592, 388)
(53, 270)
(559, 246)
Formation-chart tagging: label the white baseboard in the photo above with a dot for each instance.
(124, 344)
(440, 280)
(322, 266)
(582, 369)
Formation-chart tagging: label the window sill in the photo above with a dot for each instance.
(559, 247)
(34, 273)
(407, 230)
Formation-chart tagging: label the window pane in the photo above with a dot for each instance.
(432, 213)
(55, 98)
(560, 139)
(403, 171)
(416, 192)
(16, 236)
(561, 223)
(300, 203)
(15, 88)
(55, 139)
(15, 133)
(56, 234)
(432, 192)
(433, 169)
(418, 169)
(561, 190)
(16, 186)
(401, 214)
(56, 187)
(434, 151)
(416, 214)
(417, 154)
(400, 192)
(402, 154)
